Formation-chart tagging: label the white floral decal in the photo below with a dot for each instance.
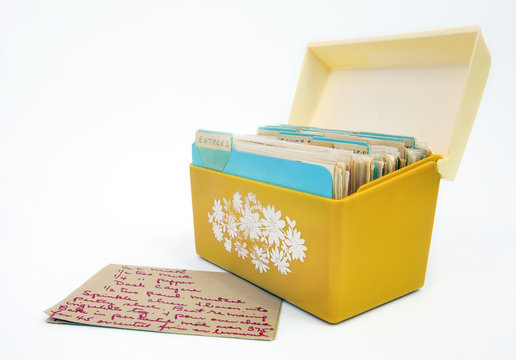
(256, 232)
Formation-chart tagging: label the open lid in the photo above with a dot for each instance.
(426, 84)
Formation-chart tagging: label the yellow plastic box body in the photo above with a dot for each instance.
(350, 255)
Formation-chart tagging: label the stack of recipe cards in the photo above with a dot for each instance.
(325, 162)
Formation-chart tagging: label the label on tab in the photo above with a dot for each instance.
(213, 140)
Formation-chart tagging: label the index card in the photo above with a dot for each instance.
(173, 301)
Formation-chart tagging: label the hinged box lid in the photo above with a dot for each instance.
(426, 84)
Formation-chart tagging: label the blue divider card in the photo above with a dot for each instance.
(295, 175)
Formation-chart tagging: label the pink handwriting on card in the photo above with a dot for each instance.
(168, 300)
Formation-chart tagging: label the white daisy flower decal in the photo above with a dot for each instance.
(241, 249)
(296, 244)
(232, 226)
(217, 231)
(218, 214)
(279, 260)
(237, 203)
(250, 225)
(227, 244)
(260, 260)
(257, 232)
(251, 197)
(273, 225)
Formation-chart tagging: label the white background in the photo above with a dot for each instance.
(99, 102)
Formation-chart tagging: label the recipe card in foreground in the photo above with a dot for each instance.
(174, 301)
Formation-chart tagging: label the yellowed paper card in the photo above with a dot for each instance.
(173, 301)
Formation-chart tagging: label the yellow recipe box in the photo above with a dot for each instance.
(338, 258)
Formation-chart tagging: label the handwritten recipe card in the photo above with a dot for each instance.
(173, 301)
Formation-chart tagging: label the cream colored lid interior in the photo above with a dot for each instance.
(427, 85)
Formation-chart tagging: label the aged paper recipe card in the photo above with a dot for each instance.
(174, 301)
